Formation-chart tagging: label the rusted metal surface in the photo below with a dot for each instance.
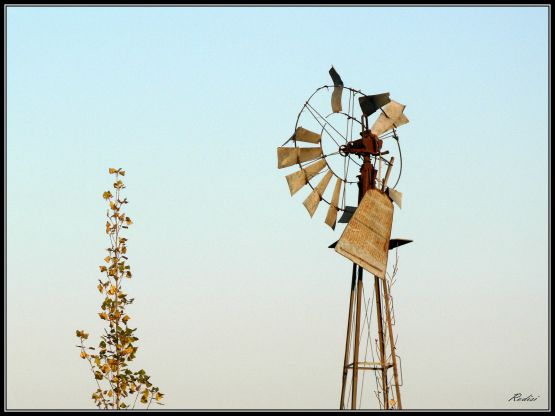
(307, 136)
(368, 145)
(331, 216)
(365, 240)
(314, 198)
(288, 156)
(297, 180)
(388, 118)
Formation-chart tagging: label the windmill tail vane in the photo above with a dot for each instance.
(340, 148)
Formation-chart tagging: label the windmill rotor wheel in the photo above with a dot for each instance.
(318, 149)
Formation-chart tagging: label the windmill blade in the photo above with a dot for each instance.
(304, 135)
(337, 91)
(395, 196)
(347, 214)
(401, 121)
(398, 242)
(331, 216)
(391, 113)
(288, 156)
(313, 200)
(297, 180)
(369, 104)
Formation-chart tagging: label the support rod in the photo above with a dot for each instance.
(381, 341)
(357, 340)
(348, 340)
(392, 344)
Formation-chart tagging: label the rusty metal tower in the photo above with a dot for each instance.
(366, 239)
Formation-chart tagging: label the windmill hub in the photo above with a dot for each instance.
(368, 145)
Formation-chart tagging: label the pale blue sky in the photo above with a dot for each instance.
(239, 302)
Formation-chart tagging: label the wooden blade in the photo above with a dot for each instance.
(314, 198)
(297, 180)
(288, 156)
(401, 121)
(304, 135)
(395, 196)
(336, 99)
(386, 121)
(365, 240)
(331, 217)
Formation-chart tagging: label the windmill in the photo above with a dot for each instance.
(323, 148)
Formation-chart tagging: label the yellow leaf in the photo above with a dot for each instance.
(112, 170)
(100, 287)
(103, 315)
(159, 396)
(81, 334)
(110, 394)
(97, 361)
(128, 350)
(107, 195)
(105, 368)
(128, 220)
(113, 205)
(107, 259)
(112, 290)
(125, 319)
(103, 268)
(84, 354)
(122, 172)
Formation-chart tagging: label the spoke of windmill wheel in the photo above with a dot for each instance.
(351, 134)
(345, 183)
(324, 128)
(303, 164)
(348, 112)
(323, 118)
(323, 125)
